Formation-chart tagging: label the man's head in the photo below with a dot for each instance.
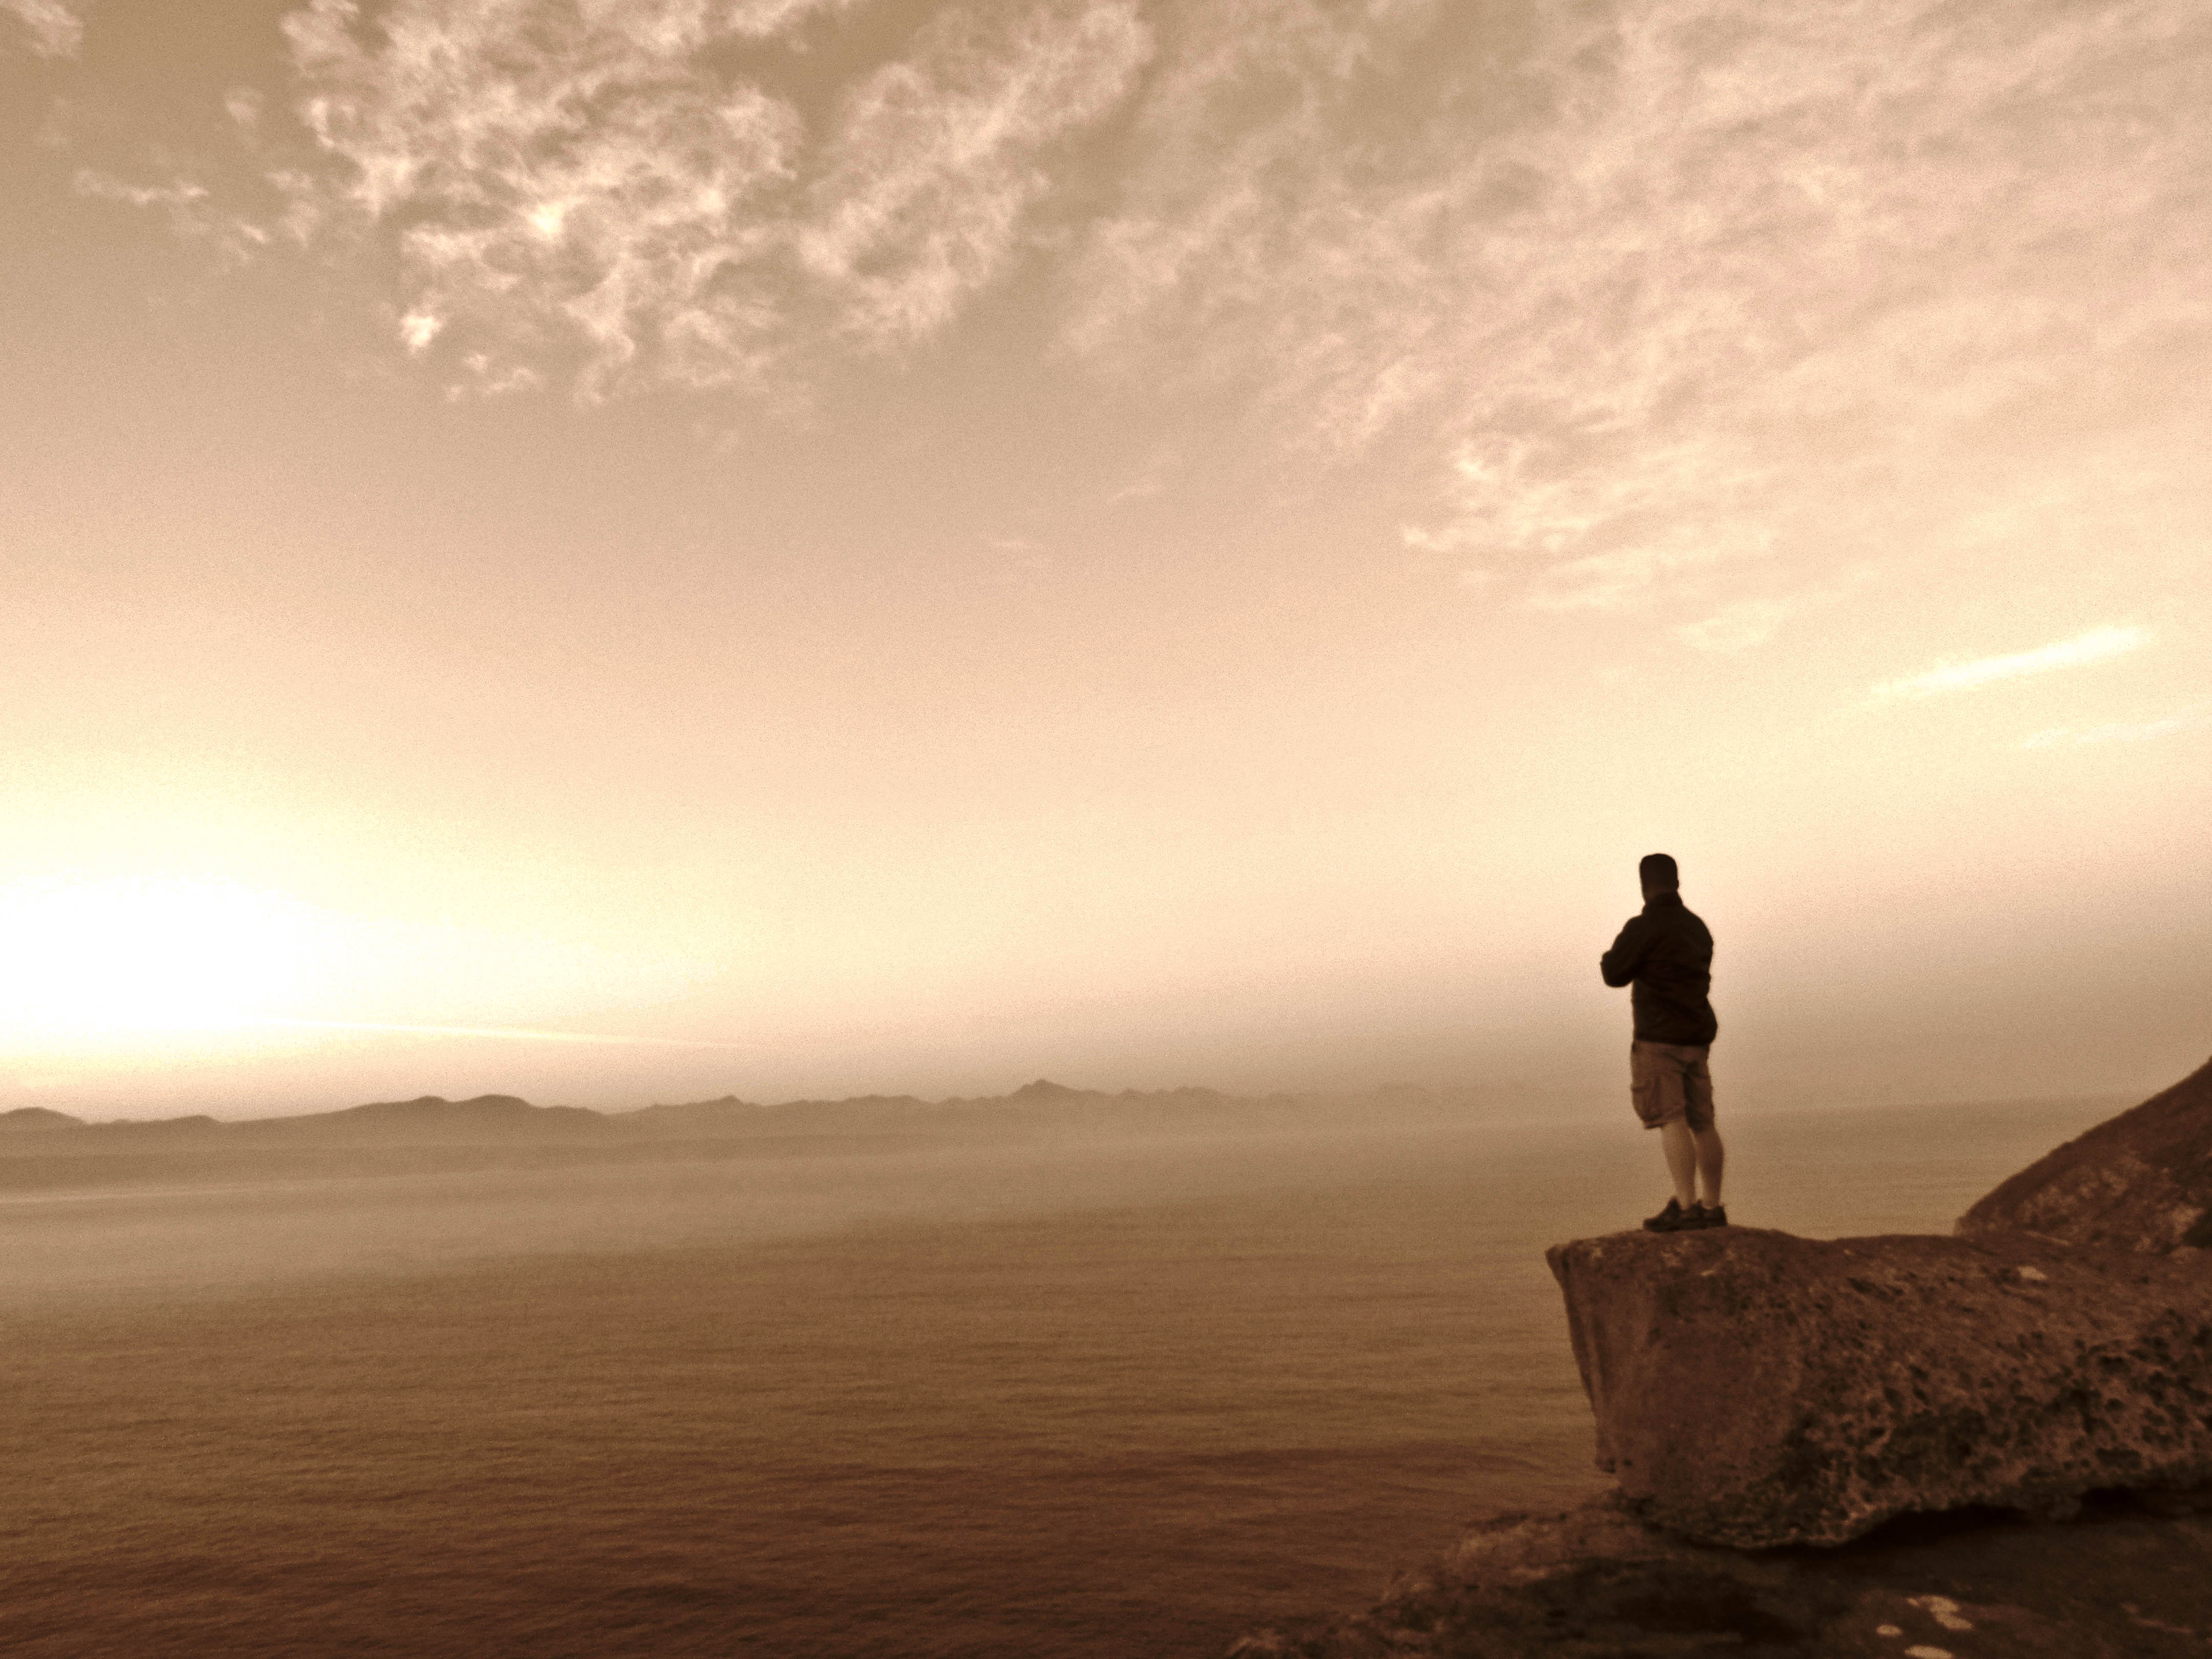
(1657, 872)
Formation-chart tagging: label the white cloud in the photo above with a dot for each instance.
(553, 179)
(1683, 284)
(1691, 300)
(1151, 477)
(2098, 645)
(604, 190)
(193, 214)
(57, 30)
(935, 159)
(2193, 719)
(182, 195)
(1739, 627)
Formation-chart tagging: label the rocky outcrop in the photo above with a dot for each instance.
(1753, 1388)
(2141, 1181)
(1597, 1583)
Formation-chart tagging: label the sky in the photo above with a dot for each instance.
(641, 550)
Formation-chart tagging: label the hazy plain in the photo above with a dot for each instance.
(1085, 1395)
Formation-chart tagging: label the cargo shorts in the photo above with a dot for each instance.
(1667, 1080)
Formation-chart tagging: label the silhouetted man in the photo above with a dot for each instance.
(1667, 954)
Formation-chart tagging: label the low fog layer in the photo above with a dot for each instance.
(201, 1207)
(197, 1207)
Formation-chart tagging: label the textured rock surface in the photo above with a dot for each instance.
(1753, 1388)
(1596, 1584)
(2141, 1181)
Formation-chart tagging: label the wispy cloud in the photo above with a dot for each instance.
(1673, 301)
(181, 196)
(193, 213)
(2098, 645)
(2192, 720)
(935, 159)
(551, 179)
(1682, 284)
(595, 192)
(57, 30)
(1742, 626)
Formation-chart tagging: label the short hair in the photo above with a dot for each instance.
(1657, 870)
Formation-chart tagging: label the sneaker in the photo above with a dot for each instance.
(1673, 1219)
(1711, 1215)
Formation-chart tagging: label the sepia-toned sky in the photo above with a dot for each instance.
(629, 550)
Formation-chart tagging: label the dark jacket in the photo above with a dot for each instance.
(1667, 954)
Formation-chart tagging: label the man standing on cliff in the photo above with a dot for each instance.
(1667, 954)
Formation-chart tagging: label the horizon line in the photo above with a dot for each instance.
(509, 1033)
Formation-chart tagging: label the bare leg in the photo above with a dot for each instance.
(1682, 1147)
(1710, 1155)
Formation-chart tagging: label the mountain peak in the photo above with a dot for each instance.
(38, 1117)
(1045, 1089)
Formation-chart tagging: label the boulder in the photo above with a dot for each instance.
(2141, 1181)
(1754, 1389)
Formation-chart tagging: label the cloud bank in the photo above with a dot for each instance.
(1677, 301)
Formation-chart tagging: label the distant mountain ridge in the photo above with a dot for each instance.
(38, 1117)
(45, 1151)
(500, 1117)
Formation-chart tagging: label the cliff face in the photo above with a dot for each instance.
(2141, 1181)
(1753, 1388)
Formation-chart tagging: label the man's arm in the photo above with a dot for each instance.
(1618, 965)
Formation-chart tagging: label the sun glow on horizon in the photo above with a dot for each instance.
(127, 970)
(497, 1033)
(90, 961)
